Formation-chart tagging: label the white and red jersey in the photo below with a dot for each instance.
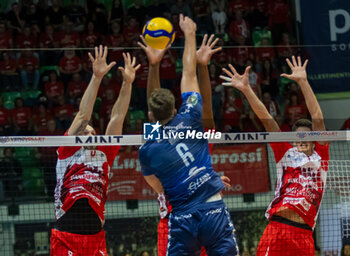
(83, 173)
(301, 180)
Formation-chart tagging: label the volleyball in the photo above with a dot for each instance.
(158, 33)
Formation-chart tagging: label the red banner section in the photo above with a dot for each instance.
(245, 165)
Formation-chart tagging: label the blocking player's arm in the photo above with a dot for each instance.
(100, 68)
(154, 58)
(203, 55)
(155, 183)
(241, 82)
(189, 82)
(121, 106)
(299, 75)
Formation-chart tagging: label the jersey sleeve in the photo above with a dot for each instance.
(191, 105)
(279, 149)
(110, 152)
(65, 152)
(145, 166)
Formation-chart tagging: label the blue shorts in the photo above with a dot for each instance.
(210, 226)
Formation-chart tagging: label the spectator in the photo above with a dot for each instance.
(269, 79)
(106, 108)
(14, 20)
(294, 88)
(217, 93)
(28, 66)
(254, 80)
(167, 70)
(26, 39)
(86, 66)
(232, 109)
(141, 81)
(48, 39)
(345, 126)
(239, 30)
(258, 17)
(217, 8)
(55, 15)
(237, 5)
(252, 251)
(68, 37)
(5, 37)
(131, 32)
(345, 250)
(144, 253)
(11, 173)
(96, 12)
(278, 19)
(201, 15)
(8, 72)
(34, 18)
(116, 13)
(76, 87)
(53, 88)
(115, 39)
(285, 50)
(5, 120)
(264, 52)
(41, 117)
(157, 9)
(113, 83)
(138, 11)
(318, 251)
(221, 58)
(63, 113)
(48, 157)
(241, 55)
(91, 38)
(249, 121)
(271, 105)
(180, 6)
(294, 110)
(68, 65)
(75, 14)
(21, 118)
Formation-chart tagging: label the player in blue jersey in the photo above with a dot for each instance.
(182, 168)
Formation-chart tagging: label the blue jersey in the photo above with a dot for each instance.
(183, 165)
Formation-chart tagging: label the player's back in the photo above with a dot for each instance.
(183, 165)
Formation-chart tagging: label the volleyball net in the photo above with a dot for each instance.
(29, 176)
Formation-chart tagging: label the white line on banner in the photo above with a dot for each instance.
(128, 140)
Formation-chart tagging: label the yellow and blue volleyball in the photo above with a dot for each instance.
(159, 33)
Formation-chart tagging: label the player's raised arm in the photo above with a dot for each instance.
(189, 82)
(299, 75)
(154, 58)
(204, 54)
(121, 106)
(100, 68)
(241, 82)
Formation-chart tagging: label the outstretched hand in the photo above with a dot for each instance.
(226, 180)
(298, 70)
(129, 70)
(154, 55)
(206, 50)
(187, 25)
(99, 64)
(240, 82)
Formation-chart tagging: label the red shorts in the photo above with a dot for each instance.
(163, 231)
(68, 244)
(282, 239)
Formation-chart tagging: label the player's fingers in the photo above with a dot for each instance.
(289, 64)
(122, 70)
(90, 56)
(210, 40)
(96, 52)
(214, 43)
(133, 61)
(305, 63)
(129, 58)
(100, 53)
(226, 78)
(111, 65)
(247, 69)
(294, 61)
(143, 39)
(105, 52)
(286, 76)
(225, 179)
(137, 67)
(141, 45)
(181, 17)
(216, 50)
(299, 61)
(234, 71)
(227, 72)
(227, 84)
(204, 40)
